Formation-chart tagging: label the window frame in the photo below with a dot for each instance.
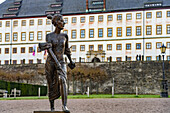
(38, 35)
(147, 29)
(99, 46)
(149, 16)
(157, 16)
(5, 52)
(90, 47)
(127, 46)
(30, 34)
(118, 19)
(31, 22)
(128, 15)
(157, 33)
(81, 47)
(118, 32)
(6, 37)
(160, 45)
(81, 33)
(100, 18)
(16, 37)
(99, 33)
(137, 46)
(108, 32)
(73, 22)
(137, 16)
(72, 48)
(81, 19)
(150, 45)
(22, 23)
(117, 46)
(72, 34)
(130, 31)
(22, 51)
(40, 21)
(109, 48)
(109, 18)
(90, 32)
(137, 31)
(14, 52)
(22, 37)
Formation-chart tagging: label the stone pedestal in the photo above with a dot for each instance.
(50, 112)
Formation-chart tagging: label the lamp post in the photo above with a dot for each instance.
(164, 83)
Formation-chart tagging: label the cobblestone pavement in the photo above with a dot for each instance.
(119, 105)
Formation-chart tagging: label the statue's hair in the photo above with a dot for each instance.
(54, 17)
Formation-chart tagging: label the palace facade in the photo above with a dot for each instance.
(98, 30)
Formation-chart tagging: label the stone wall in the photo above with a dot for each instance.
(127, 76)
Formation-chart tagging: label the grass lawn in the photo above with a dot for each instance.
(85, 97)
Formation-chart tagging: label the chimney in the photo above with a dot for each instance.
(104, 5)
(87, 6)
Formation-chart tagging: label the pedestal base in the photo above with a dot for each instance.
(50, 112)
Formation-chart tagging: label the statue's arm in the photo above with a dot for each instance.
(68, 53)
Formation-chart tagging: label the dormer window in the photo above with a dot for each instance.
(153, 4)
(97, 2)
(13, 9)
(17, 3)
(55, 5)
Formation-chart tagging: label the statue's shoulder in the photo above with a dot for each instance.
(65, 35)
(49, 36)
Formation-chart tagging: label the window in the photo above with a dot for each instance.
(148, 30)
(91, 47)
(38, 61)
(47, 32)
(128, 31)
(157, 58)
(109, 47)
(74, 20)
(128, 58)
(7, 23)
(100, 47)
(82, 47)
(100, 18)
(148, 58)
(15, 23)
(119, 16)
(159, 29)
(91, 18)
(148, 45)
(38, 50)
(31, 22)
(82, 33)
(103, 58)
(118, 58)
(0, 23)
(138, 30)
(100, 32)
(118, 46)
(31, 36)
(14, 50)
(91, 33)
(82, 59)
(6, 50)
(40, 22)
(66, 20)
(73, 48)
(73, 34)
(109, 17)
(128, 16)
(148, 15)
(23, 36)
(138, 46)
(109, 32)
(168, 44)
(30, 49)
(15, 36)
(30, 61)
(7, 37)
(65, 31)
(22, 49)
(168, 58)
(138, 15)
(119, 32)
(159, 14)
(23, 61)
(23, 23)
(0, 37)
(158, 45)
(168, 29)
(168, 13)
(39, 35)
(6, 61)
(82, 19)
(128, 46)
(48, 22)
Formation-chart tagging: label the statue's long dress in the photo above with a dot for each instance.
(52, 74)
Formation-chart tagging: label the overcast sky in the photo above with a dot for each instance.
(1, 1)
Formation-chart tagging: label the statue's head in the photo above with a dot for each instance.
(57, 20)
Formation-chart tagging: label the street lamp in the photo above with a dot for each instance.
(164, 83)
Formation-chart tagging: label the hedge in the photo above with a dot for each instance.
(26, 89)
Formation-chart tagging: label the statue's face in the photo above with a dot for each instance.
(59, 22)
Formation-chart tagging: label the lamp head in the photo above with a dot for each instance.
(163, 48)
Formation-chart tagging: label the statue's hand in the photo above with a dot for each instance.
(71, 65)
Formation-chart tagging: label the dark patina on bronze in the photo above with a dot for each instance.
(55, 67)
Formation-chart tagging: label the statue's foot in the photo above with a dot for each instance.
(52, 109)
(65, 109)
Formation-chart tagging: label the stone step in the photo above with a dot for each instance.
(50, 112)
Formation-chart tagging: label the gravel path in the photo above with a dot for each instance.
(119, 105)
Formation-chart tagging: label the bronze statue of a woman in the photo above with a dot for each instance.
(58, 42)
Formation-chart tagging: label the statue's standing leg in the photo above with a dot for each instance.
(52, 105)
(63, 90)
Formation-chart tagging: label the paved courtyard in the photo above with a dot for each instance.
(119, 105)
